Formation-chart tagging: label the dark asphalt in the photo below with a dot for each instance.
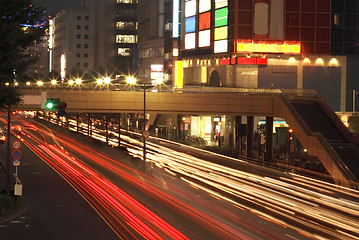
(54, 211)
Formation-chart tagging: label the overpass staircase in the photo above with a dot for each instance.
(324, 135)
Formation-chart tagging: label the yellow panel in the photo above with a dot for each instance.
(204, 75)
(178, 74)
(221, 33)
(268, 48)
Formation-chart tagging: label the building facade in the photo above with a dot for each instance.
(155, 43)
(295, 44)
(100, 39)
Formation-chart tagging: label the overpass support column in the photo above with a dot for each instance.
(250, 130)
(269, 139)
(238, 122)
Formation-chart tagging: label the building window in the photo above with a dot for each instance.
(78, 45)
(78, 55)
(78, 36)
(126, 25)
(78, 27)
(86, 17)
(78, 65)
(127, 1)
(86, 55)
(86, 65)
(86, 36)
(126, 39)
(86, 27)
(78, 17)
(86, 46)
(336, 19)
(124, 51)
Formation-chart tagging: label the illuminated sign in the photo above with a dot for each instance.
(63, 66)
(269, 47)
(204, 21)
(244, 61)
(221, 17)
(190, 25)
(175, 29)
(221, 33)
(221, 46)
(156, 67)
(204, 5)
(190, 8)
(220, 3)
(204, 38)
(190, 40)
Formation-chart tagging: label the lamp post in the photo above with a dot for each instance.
(144, 120)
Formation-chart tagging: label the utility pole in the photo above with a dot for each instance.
(354, 100)
(8, 164)
(144, 120)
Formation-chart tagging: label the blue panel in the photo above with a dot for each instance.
(190, 24)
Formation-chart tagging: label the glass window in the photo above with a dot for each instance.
(126, 39)
(78, 27)
(78, 17)
(124, 52)
(190, 8)
(190, 40)
(204, 21)
(221, 17)
(220, 3)
(78, 36)
(221, 33)
(190, 24)
(204, 38)
(78, 45)
(86, 46)
(204, 5)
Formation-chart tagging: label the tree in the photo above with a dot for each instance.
(21, 24)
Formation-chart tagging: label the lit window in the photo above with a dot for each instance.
(220, 46)
(336, 19)
(190, 24)
(204, 38)
(204, 5)
(220, 33)
(221, 17)
(190, 8)
(124, 51)
(126, 39)
(190, 40)
(220, 3)
(204, 21)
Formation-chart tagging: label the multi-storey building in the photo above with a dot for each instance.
(99, 38)
(298, 44)
(155, 44)
(72, 53)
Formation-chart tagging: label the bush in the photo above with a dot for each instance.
(9, 204)
(195, 141)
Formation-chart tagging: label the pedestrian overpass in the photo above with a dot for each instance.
(316, 126)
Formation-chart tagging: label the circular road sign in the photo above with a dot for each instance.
(16, 154)
(16, 144)
(145, 134)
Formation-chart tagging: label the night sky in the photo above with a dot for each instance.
(55, 6)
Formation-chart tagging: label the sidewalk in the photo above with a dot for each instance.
(54, 211)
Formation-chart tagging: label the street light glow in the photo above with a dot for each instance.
(107, 80)
(131, 80)
(40, 83)
(53, 81)
(71, 82)
(78, 80)
(99, 81)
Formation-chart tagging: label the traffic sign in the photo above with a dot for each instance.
(16, 144)
(16, 162)
(145, 134)
(16, 154)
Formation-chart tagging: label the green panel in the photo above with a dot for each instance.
(221, 17)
